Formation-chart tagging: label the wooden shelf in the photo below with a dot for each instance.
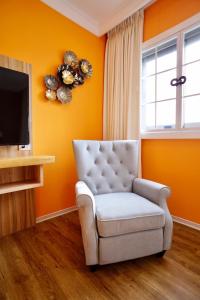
(19, 186)
(28, 176)
(18, 177)
(22, 161)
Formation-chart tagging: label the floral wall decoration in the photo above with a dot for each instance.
(71, 74)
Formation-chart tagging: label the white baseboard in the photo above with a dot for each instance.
(186, 222)
(56, 214)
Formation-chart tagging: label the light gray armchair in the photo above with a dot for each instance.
(122, 217)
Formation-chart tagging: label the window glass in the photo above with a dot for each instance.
(166, 56)
(192, 45)
(164, 88)
(166, 114)
(192, 84)
(148, 89)
(150, 115)
(191, 111)
(148, 63)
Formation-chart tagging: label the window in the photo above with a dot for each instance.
(166, 107)
(191, 69)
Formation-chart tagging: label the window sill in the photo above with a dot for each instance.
(182, 134)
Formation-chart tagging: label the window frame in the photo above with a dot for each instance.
(179, 132)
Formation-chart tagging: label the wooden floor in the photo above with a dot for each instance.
(47, 262)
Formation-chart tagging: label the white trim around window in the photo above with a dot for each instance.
(179, 132)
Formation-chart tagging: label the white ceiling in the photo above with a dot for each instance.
(97, 16)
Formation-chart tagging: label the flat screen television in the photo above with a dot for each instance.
(14, 107)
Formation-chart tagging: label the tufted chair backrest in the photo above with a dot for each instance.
(107, 166)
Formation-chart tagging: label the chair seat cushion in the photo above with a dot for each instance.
(121, 213)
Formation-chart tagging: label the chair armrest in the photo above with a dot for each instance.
(84, 196)
(151, 190)
(157, 193)
(86, 204)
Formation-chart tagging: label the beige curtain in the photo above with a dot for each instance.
(122, 79)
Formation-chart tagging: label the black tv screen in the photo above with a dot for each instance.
(14, 107)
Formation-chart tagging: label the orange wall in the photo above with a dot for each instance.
(164, 14)
(38, 35)
(32, 32)
(173, 162)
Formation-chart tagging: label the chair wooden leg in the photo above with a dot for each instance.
(93, 268)
(161, 254)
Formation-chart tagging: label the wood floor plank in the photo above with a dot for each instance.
(46, 262)
(19, 272)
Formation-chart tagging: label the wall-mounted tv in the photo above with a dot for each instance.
(14, 107)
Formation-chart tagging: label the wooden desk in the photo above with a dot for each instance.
(18, 177)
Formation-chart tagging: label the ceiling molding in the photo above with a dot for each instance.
(124, 13)
(72, 12)
(67, 9)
